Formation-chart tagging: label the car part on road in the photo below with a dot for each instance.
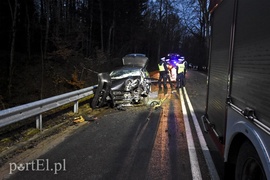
(103, 91)
(78, 119)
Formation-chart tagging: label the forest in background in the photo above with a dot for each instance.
(49, 47)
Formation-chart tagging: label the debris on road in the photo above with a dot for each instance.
(78, 119)
(90, 118)
(157, 104)
(120, 108)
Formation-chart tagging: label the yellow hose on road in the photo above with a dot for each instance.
(156, 104)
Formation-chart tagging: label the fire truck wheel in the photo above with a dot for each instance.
(248, 164)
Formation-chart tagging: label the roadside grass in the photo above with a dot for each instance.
(14, 135)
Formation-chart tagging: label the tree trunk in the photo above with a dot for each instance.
(89, 42)
(28, 34)
(159, 30)
(101, 25)
(44, 51)
(110, 37)
(205, 25)
(12, 48)
(57, 19)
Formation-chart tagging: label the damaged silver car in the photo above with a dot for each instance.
(129, 84)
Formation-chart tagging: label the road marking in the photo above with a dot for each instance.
(206, 152)
(195, 168)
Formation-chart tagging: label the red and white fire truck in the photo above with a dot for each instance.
(238, 90)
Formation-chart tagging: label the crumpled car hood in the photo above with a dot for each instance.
(119, 84)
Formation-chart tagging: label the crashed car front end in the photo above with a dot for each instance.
(130, 86)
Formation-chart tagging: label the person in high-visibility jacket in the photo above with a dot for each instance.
(185, 71)
(180, 69)
(168, 74)
(163, 72)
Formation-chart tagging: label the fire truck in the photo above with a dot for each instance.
(237, 112)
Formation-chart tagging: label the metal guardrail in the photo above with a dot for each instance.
(18, 113)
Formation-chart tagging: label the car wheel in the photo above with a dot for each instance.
(248, 164)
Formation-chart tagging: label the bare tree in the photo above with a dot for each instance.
(90, 31)
(28, 33)
(101, 25)
(45, 45)
(205, 24)
(160, 17)
(195, 16)
(111, 30)
(12, 48)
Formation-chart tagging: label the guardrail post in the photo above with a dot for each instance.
(76, 107)
(39, 122)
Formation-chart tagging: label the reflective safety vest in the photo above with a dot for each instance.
(185, 63)
(161, 67)
(181, 68)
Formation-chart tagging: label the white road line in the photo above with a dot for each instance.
(195, 168)
(206, 153)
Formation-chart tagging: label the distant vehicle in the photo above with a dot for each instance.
(129, 84)
(195, 67)
(204, 68)
(172, 59)
(237, 113)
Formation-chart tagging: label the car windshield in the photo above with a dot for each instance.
(124, 73)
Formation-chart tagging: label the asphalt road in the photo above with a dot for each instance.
(196, 88)
(138, 143)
